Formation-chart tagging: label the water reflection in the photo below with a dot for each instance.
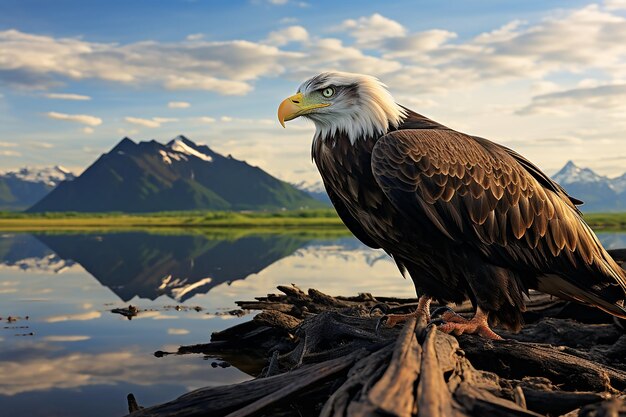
(179, 266)
(83, 360)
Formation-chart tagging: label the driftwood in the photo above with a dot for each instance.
(312, 354)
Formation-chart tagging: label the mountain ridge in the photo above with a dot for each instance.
(598, 192)
(179, 175)
(20, 189)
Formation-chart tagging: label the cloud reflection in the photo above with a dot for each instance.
(177, 331)
(74, 370)
(74, 317)
(67, 338)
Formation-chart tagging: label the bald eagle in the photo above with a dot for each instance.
(463, 216)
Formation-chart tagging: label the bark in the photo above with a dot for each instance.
(313, 354)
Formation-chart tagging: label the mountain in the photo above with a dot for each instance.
(179, 175)
(22, 188)
(600, 193)
(314, 189)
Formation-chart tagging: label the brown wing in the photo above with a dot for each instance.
(477, 193)
(542, 178)
(351, 223)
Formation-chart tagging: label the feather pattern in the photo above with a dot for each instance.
(540, 228)
(465, 217)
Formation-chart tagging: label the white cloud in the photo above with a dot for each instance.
(598, 97)
(76, 118)
(241, 120)
(127, 132)
(206, 119)
(151, 123)
(7, 144)
(143, 122)
(502, 34)
(615, 4)
(415, 44)
(67, 96)
(178, 105)
(165, 119)
(195, 37)
(372, 28)
(88, 130)
(227, 67)
(287, 35)
(10, 153)
(203, 82)
(38, 145)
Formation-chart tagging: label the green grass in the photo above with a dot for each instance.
(271, 220)
(606, 220)
(321, 218)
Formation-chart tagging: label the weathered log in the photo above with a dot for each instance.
(433, 397)
(360, 378)
(514, 360)
(559, 402)
(248, 397)
(314, 354)
(610, 408)
(401, 375)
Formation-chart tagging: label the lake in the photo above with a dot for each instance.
(64, 353)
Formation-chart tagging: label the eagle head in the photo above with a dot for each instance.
(342, 103)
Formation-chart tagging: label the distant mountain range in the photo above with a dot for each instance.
(179, 175)
(315, 189)
(23, 188)
(600, 193)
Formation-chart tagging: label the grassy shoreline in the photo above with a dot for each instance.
(323, 219)
(319, 219)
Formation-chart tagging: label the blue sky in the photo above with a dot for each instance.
(547, 78)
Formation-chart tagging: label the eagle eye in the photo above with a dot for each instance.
(328, 92)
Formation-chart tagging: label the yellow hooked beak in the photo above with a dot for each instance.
(296, 106)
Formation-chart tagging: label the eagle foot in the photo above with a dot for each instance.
(458, 325)
(447, 315)
(391, 320)
(422, 313)
(383, 307)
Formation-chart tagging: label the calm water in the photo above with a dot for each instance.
(74, 357)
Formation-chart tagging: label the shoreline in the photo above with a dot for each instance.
(288, 220)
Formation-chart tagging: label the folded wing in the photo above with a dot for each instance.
(485, 196)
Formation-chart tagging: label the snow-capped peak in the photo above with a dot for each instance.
(619, 184)
(310, 186)
(51, 176)
(571, 173)
(183, 145)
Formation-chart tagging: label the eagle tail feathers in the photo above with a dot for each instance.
(562, 288)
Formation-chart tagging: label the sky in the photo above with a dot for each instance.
(546, 78)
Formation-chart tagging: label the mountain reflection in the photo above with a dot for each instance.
(25, 252)
(149, 265)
